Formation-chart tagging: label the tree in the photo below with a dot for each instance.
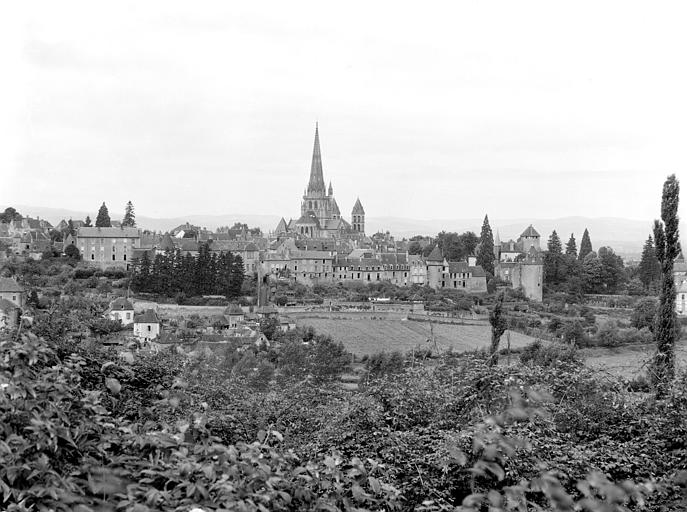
(71, 231)
(129, 216)
(553, 260)
(591, 274)
(498, 327)
(72, 251)
(414, 248)
(10, 215)
(87, 222)
(571, 246)
(612, 269)
(666, 237)
(485, 255)
(644, 314)
(649, 267)
(103, 219)
(585, 245)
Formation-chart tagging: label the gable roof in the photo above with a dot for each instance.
(149, 317)
(7, 284)
(7, 306)
(121, 304)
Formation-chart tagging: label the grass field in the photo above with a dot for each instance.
(365, 336)
(631, 360)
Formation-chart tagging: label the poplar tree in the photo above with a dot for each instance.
(129, 216)
(485, 255)
(666, 333)
(571, 246)
(103, 218)
(585, 245)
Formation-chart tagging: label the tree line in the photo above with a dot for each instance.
(208, 273)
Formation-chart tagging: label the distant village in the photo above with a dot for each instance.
(317, 247)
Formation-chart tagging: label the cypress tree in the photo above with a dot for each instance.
(649, 267)
(87, 222)
(129, 216)
(71, 231)
(103, 218)
(585, 245)
(666, 237)
(485, 255)
(571, 246)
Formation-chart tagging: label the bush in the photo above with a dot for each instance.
(550, 354)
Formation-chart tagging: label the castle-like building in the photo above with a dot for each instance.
(320, 214)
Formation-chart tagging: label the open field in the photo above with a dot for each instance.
(630, 360)
(366, 336)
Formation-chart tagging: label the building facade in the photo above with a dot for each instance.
(107, 247)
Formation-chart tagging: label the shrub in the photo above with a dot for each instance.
(550, 354)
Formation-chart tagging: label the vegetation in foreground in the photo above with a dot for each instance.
(93, 430)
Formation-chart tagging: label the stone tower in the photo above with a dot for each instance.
(317, 200)
(358, 217)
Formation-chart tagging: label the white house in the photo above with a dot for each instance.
(121, 309)
(147, 326)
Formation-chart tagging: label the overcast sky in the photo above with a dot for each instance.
(426, 110)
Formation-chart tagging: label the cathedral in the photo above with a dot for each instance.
(320, 214)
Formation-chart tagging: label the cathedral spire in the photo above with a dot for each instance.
(316, 184)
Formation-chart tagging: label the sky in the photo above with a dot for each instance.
(426, 110)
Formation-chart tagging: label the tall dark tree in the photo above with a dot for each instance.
(571, 246)
(649, 267)
(554, 271)
(103, 218)
(612, 270)
(87, 222)
(585, 245)
(129, 219)
(666, 237)
(485, 255)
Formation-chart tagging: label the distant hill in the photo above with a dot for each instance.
(626, 236)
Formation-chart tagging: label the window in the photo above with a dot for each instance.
(113, 257)
(149, 329)
(128, 316)
(92, 256)
(125, 257)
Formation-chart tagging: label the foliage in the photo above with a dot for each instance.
(208, 273)
(103, 218)
(667, 239)
(571, 247)
(649, 266)
(129, 216)
(499, 324)
(585, 246)
(550, 354)
(485, 254)
(10, 215)
(644, 314)
(72, 252)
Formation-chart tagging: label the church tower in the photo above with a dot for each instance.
(317, 199)
(358, 217)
